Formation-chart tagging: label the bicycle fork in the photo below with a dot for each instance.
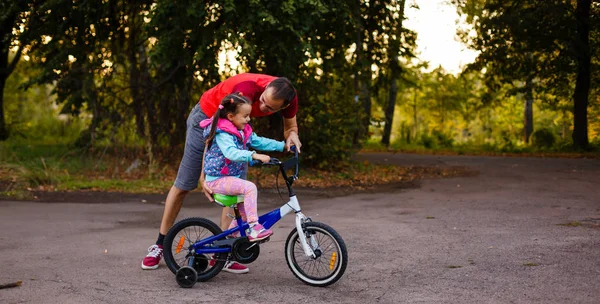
(300, 220)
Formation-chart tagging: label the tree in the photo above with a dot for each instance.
(138, 66)
(378, 42)
(582, 85)
(393, 72)
(14, 23)
(537, 45)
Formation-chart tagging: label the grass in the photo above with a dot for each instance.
(27, 168)
(563, 151)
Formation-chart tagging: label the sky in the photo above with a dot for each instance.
(435, 25)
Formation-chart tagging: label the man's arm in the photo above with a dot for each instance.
(290, 132)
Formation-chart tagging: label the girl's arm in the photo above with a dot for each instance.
(265, 144)
(230, 151)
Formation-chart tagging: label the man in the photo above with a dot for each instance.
(268, 95)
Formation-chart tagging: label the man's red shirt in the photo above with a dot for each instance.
(251, 86)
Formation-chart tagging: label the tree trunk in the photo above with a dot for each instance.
(183, 108)
(6, 68)
(395, 71)
(362, 90)
(582, 85)
(528, 113)
(442, 114)
(389, 112)
(3, 129)
(91, 93)
(154, 125)
(135, 75)
(365, 99)
(415, 122)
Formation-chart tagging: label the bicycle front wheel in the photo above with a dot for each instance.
(178, 251)
(331, 256)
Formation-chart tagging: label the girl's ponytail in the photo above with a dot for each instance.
(213, 127)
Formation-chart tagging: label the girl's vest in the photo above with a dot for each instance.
(215, 163)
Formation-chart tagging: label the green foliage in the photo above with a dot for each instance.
(127, 73)
(328, 122)
(17, 21)
(543, 139)
(138, 67)
(537, 46)
(32, 113)
(436, 140)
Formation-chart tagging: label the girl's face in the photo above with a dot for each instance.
(242, 117)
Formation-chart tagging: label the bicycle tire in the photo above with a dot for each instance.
(337, 263)
(175, 261)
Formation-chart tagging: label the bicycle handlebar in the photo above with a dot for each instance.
(288, 164)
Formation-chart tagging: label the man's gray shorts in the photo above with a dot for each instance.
(191, 162)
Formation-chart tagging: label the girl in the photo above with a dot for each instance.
(227, 142)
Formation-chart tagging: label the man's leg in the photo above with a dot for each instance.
(225, 219)
(187, 180)
(172, 208)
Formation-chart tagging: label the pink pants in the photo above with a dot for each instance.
(230, 185)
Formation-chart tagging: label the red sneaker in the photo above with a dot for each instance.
(153, 257)
(233, 267)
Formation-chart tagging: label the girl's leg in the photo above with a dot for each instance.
(236, 186)
(230, 185)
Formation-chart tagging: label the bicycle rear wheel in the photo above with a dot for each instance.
(331, 258)
(178, 251)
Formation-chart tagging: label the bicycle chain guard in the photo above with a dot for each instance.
(244, 251)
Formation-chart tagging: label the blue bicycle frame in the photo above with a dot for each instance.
(219, 244)
(206, 246)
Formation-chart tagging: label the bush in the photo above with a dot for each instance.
(444, 140)
(543, 139)
(428, 141)
(330, 122)
(436, 140)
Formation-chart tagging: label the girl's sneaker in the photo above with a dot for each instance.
(258, 233)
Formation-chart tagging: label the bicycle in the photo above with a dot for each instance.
(196, 249)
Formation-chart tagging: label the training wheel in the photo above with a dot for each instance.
(186, 276)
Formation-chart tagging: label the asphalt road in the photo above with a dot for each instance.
(491, 238)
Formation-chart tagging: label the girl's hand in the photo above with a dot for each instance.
(262, 157)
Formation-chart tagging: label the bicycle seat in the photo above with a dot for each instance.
(228, 200)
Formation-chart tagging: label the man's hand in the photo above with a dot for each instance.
(206, 189)
(293, 140)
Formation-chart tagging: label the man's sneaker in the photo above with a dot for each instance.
(151, 260)
(233, 267)
(258, 233)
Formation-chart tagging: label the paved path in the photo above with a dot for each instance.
(491, 238)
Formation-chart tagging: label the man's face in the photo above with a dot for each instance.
(268, 104)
